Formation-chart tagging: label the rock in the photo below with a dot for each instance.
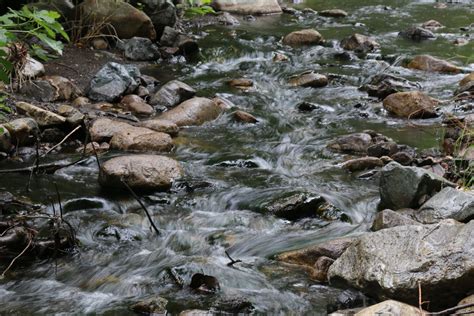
(52, 135)
(460, 41)
(196, 312)
(389, 307)
(468, 78)
(429, 63)
(244, 117)
(103, 129)
(403, 158)
(413, 104)
(363, 163)
(172, 93)
(382, 149)
(333, 13)
(303, 205)
(162, 126)
(23, 131)
(39, 90)
(141, 139)
(183, 43)
(204, 283)
(223, 103)
(126, 20)
(417, 33)
(279, 57)
(161, 12)
(73, 116)
(142, 49)
(448, 203)
(432, 25)
(307, 106)
(309, 79)
(100, 44)
(465, 301)
(169, 37)
(155, 305)
(5, 140)
(32, 68)
(225, 18)
(147, 172)
(233, 305)
(242, 83)
(388, 218)
(41, 116)
(66, 89)
(303, 37)
(389, 263)
(248, 7)
(402, 187)
(136, 105)
(383, 85)
(353, 143)
(359, 43)
(112, 81)
(195, 111)
(80, 102)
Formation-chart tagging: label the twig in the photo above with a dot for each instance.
(143, 207)
(61, 142)
(14, 259)
(59, 201)
(232, 261)
(48, 168)
(452, 309)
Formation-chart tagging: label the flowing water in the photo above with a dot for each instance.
(232, 168)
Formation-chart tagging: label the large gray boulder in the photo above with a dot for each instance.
(140, 172)
(112, 81)
(142, 49)
(248, 6)
(407, 187)
(448, 203)
(172, 93)
(389, 263)
(195, 111)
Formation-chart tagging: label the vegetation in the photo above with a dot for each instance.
(196, 7)
(25, 31)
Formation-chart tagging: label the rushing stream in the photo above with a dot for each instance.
(233, 167)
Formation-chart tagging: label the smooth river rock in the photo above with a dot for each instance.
(359, 43)
(148, 172)
(430, 63)
(172, 93)
(163, 126)
(195, 111)
(309, 79)
(103, 129)
(248, 6)
(24, 131)
(141, 139)
(303, 37)
(389, 263)
(136, 105)
(413, 104)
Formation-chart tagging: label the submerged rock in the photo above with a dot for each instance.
(333, 13)
(141, 139)
(244, 117)
(356, 143)
(303, 205)
(359, 43)
(42, 117)
(413, 104)
(248, 7)
(432, 25)
(172, 93)
(430, 63)
(383, 85)
(467, 79)
(112, 81)
(402, 187)
(142, 49)
(448, 203)
(389, 263)
(155, 305)
(146, 172)
(241, 83)
(303, 37)
(126, 20)
(417, 33)
(195, 111)
(362, 163)
(204, 283)
(309, 79)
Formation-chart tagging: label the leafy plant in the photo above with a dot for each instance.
(19, 26)
(197, 7)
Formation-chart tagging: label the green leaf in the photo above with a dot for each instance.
(57, 46)
(38, 51)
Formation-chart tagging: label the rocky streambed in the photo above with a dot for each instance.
(303, 162)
